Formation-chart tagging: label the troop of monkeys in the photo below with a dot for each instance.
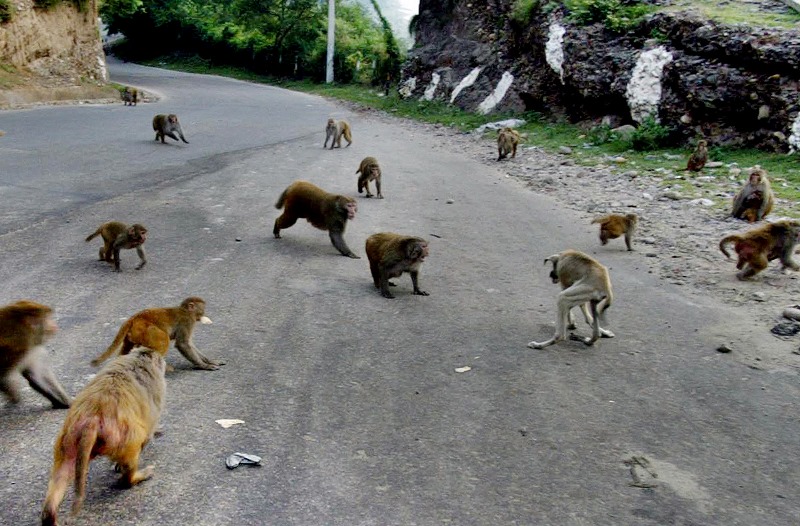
(117, 413)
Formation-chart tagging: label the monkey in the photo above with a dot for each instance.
(323, 210)
(114, 416)
(130, 96)
(154, 328)
(168, 125)
(757, 247)
(507, 141)
(392, 254)
(698, 158)
(614, 225)
(370, 171)
(755, 200)
(117, 236)
(24, 327)
(585, 283)
(335, 130)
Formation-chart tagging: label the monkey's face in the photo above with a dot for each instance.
(554, 276)
(375, 171)
(352, 208)
(172, 119)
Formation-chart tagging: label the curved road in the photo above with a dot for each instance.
(353, 400)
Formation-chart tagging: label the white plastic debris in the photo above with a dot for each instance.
(463, 369)
(228, 422)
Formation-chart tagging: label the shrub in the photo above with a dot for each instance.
(616, 15)
(6, 11)
(650, 135)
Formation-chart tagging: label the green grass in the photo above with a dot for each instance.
(784, 170)
(739, 13)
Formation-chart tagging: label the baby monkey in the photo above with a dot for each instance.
(507, 142)
(614, 225)
(117, 236)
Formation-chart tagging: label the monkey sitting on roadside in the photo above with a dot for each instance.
(115, 416)
(585, 283)
(168, 125)
(392, 254)
(130, 96)
(117, 236)
(24, 327)
(614, 225)
(757, 247)
(698, 158)
(507, 141)
(335, 130)
(154, 328)
(755, 200)
(323, 210)
(370, 171)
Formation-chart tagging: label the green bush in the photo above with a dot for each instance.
(522, 11)
(650, 135)
(616, 15)
(6, 11)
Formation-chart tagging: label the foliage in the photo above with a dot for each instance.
(279, 37)
(650, 135)
(522, 10)
(616, 15)
(6, 11)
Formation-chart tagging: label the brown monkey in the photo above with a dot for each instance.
(755, 200)
(507, 141)
(117, 236)
(757, 247)
(585, 283)
(114, 416)
(24, 327)
(154, 328)
(325, 211)
(370, 171)
(168, 125)
(335, 129)
(698, 158)
(130, 96)
(614, 225)
(392, 254)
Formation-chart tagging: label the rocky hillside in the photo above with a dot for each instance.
(732, 84)
(48, 54)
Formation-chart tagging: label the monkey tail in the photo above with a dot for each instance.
(92, 236)
(733, 238)
(115, 345)
(281, 200)
(56, 489)
(83, 456)
(598, 220)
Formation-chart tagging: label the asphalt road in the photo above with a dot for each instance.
(351, 399)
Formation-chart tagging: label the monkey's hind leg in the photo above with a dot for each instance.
(128, 464)
(283, 222)
(595, 326)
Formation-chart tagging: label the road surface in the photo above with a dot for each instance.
(353, 400)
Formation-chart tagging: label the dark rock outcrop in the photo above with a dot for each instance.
(734, 85)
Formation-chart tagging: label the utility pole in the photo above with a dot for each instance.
(331, 30)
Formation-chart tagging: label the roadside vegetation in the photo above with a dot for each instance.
(642, 152)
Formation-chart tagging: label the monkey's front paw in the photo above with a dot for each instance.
(421, 293)
(351, 255)
(96, 363)
(387, 294)
(605, 333)
(380, 197)
(535, 345)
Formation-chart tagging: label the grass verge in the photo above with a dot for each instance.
(784, 170)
